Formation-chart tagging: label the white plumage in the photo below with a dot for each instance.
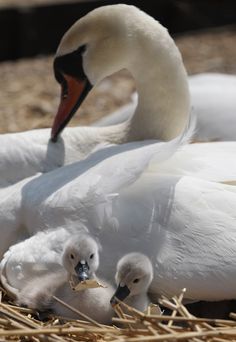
(185, 225)
(134, 274)
(212, 100)
(173, 211)
(38, 293)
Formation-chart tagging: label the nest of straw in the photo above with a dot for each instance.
(130, 325)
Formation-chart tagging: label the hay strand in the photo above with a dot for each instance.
(133, 326)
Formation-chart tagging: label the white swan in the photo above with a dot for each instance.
(92, 30)
(28, 153)
(185, 225)
(160, 213)
(134, 274)
(80, 260)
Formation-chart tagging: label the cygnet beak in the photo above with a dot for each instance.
(82, 271)
(121, 293)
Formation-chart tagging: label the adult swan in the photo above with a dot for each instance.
(87, 48)
(186, 225)
(101, 43)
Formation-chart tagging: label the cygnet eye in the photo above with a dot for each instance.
(72, 256)
(135, 281)
(91, 256)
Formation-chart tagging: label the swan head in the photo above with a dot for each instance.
(106, 40)
(133, 277)
(81, 257)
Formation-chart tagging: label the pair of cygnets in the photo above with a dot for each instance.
(80, 260)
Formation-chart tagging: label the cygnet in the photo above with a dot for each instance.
(80, 259)
(134, 275)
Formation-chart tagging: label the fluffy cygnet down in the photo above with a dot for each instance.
(80, 260)
(134, 275)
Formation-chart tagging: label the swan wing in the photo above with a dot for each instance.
(34, 256)
(187, 226)
(91, 181)
(82, 192)
(25, 154)
(210, 161)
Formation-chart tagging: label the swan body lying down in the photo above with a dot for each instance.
(185, 225)
(212, 99)
(80, 260)
(134, 274)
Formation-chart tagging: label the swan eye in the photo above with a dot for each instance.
(136, 281)
(82, 49)
(72, 256)
(91, 256)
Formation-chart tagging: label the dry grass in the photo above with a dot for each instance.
(30, 96)
(19, 324)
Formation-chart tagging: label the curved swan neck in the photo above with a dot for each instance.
(163, 95)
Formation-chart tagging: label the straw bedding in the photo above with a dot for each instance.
(20, 324)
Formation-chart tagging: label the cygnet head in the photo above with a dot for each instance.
(106, 40)
(134, 275)
(81, 256)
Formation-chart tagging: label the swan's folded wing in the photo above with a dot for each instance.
(198, 251)
(127, 162)
(35, 256)
(210, 161)
(78, 187)
(124, 166)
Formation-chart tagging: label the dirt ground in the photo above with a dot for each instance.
(29, 95)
